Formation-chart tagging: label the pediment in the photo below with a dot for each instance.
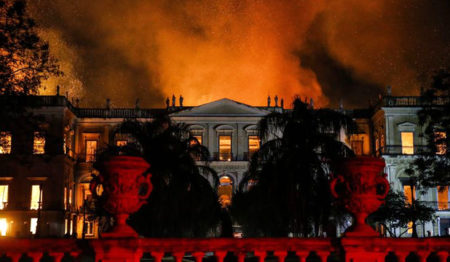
(222, 107)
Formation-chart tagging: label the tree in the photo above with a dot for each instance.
(397, 212)
(433, 168)
(286, 189)
(25, 59)
(182, 203)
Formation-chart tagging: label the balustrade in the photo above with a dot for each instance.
(123, 183)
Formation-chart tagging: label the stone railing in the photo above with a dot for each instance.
(359, 185)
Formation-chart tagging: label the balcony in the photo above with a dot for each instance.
(437, 205)
(411, 101)
(221, 156)
(403, 150)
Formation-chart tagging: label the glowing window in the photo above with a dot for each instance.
(121, 142)
(225, 190)
(407, 143)
(38, 143)
(33, 225)
(65, 197)
(3, 196)
(3, 226)
(408, 194)
(225, 148)
(70, 196)
(441, 146)
(91, 150)
(199, 140)
(36, 197)
(253, 145)
(5, 142)
(357, 147)
(442, 197)
(89, 228)
(71, 227)
(66, 226)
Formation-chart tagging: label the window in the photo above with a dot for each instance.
(442, 192)
(65, 197)
(70, 196)
(66, 226)
(225, 190)
(89, 228)
(199, 139)
(38, 143)
(36, 197)
(33, 225)
(3, 196)
(408, 194)
(3, 226)
(253, 145)
(5, 142)
(357, 147)
(121, 142)
(91, 149)
(441, 146)
(409, 199)
(407, 143)
(225, 148)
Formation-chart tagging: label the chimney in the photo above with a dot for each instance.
(173, 100)
(57, 90)
(276, 101)
(268, 101)
(282, 103)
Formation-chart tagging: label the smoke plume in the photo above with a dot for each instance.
(243, 49)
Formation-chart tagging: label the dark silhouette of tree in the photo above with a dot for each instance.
(286, 189)
(183, 203)
(396, 212)
(25, 59)
(433, 168)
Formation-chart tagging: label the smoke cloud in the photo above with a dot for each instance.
(243, 49)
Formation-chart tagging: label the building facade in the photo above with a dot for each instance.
(49, 194)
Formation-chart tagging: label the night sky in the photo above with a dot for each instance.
(243, 49)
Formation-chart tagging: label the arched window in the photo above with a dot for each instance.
(225, 190)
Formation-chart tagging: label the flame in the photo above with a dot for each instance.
(240, 49)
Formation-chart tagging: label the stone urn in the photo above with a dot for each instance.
(125, 190)
(361, 186)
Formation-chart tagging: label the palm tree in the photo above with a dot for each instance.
(183, 203)
(285, 191)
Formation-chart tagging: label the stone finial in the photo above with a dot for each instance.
(57, 90)
(167, 102)
(276, 101)
(181, 101)
(311, 102)
(108, 103)
(268, 101)
(173, 100)
(282, 103)
(388, 90)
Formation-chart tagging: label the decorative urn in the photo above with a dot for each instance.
(362, 186)
(125, 190)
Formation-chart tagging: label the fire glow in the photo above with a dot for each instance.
(240, 49)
